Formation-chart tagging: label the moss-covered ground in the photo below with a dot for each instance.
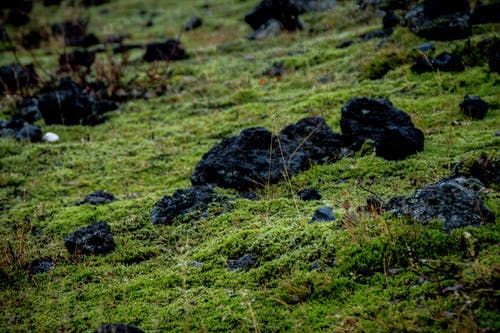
(374, 272)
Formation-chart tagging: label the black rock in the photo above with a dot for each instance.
(70, 105)
(309, 194)
(14, 77)
(373, 205)
(93, 239)
(196, 198)
(437, 21)
(77, 59)
(17, 17)
(390, 20)
(305, 6)
(276, 70)
(282, 10)
(106, 105)
(99, 198)
(485, 13)
(193, 23)
(426, 48)
(377, 34)
(40, 266)
(270, 28)
(24, 5)
(454, 201)
(257, 157)
(444, 62)
(391, 129)
(31, 40)
(494, 57)
(27, 110)
(474, 107)
(47, 3)
(345, 44)
(243, 263)
(75, 33)
(250, 196)
(169, 50)
(29, 133)
(85, 41)
(117, 328)
(323, 214)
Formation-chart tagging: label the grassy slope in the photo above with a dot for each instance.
(149, 148)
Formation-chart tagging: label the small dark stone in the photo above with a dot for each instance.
(323, 214)
(309, 194)
(377, 34)
(474, 107)
(17, 17)
(29, 133)
(77, 59)
(276, 70)
(485, 13)
(117, 328)
(40, 266)
(193, 23)
(196, 198)
(427, 48)
(390, 20)
(243, 263)
(282, 10)
(454, 201)
(345, 44)
(99, 198)
(75, 33)
(445, 62)
(14, 77)
(250, 196)
(27, 110)
(169, 50)
(305, 6)
(394, 135)
(93, 239)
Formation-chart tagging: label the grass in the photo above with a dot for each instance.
(149, 148)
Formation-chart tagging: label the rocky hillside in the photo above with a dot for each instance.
(236, 165)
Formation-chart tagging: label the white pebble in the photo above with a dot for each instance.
(50, 137)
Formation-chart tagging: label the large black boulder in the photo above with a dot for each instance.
(69, 104)
(196, 198)
(454, 201)
(440, 20)
(282, 10)
(394, 135)
(17, 77)
(117, 328)
(257, 157)
(171, 49)
(93, 239)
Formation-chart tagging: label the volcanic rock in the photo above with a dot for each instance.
(454, 201)
(70, 105)
(40, 266)
(77, 59)
(27, 110)
(394, 135)
(323, 214)
(444, 62)
(169, 50)
(99, 198)
(29, 133)
(14, 77)
(474, 107)
(193, 23)
(245, 262)
(309, 194)
(196, 198)
(440, 19)
(93, 239)
(426, 48)
(75, 33)
(257, 157)
(390, 20)
(377, 34)
(305, 6)
(485, 13)
(282, 10)
(117, 328)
